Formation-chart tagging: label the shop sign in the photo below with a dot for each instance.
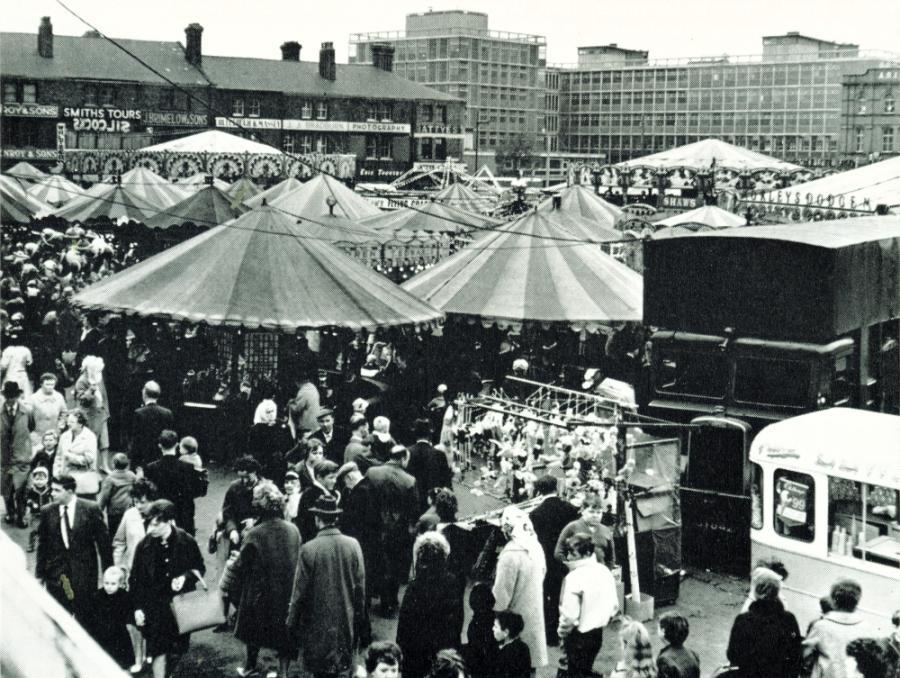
(31, 110)
(315, 125)
(174, 119)
(103, 119)
(379, 172)
(431, 166)
(800, 199)
(679, 202)
(793, 501)
(382, 127)
(31, 153)
(439, 131)
(61, 140)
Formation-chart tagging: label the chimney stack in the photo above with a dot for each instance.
(45, 38)
(193, 52)
(290, 51)
(383, 57)
(327, 68)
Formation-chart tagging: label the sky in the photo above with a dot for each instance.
(667, 28)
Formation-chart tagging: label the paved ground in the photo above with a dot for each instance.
(710, 601)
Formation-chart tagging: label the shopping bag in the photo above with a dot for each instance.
(198, 610)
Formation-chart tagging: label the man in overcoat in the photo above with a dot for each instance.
(148, 422)
(15, 452)
(427, 465)
(327, 608)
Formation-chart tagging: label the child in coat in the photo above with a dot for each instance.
(37, 497)
(480, 646)
(110, 610)
(675, 660)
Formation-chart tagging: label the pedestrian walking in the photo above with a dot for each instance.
(675, 660)
(77, 454)
(269, 442)
(15, 453)
(147, 423)
(115, 491)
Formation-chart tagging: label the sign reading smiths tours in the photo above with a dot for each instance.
(102, 119)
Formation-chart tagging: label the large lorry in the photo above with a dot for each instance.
(758, 324)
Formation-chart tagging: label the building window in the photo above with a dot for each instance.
(306, 144)
(860, 139)
(90, 95)
(440, 114)
(889, 105)
(167, 100)
(237, 107)
(859, 521)
(322, 111)
(378, 146)
(887, 139)
(794, 497)
(287, 143)
(29, 93)
(306, 111)
(254, 108)
(426, 113)
(861, 103)
(10, 95)
(371, 111)
(107, 96)
(385, 114)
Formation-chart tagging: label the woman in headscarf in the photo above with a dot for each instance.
(269, 441)
(93, 403)
(519, 583)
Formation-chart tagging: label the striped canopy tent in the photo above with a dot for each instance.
(708, 215)
(582, 202)
(16, 206)
(111, 201)
(272, 193)
(54, 190)
(429, 219)
(579, 227)
(530, 270)
(705, 153)
(671, 232)
(243, 189)
(207, 207)
(311, 200)
(258, 271)
(152, 188)
(25, 173)
(197, 181)
(212, 141)
(465, 198)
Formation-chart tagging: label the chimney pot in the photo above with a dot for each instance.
(327, 68)
(383, 57)
(45, 38)
(290, 51)
(193, 44)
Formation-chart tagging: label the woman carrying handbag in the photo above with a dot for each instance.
(167, 563)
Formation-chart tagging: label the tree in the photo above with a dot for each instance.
(515, 151)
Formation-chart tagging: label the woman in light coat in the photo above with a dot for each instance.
(76, 455)
(519, 583)
(92, 401)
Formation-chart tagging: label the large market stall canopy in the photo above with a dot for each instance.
(465, 198)
(25, 173)
(860, 188)
(212, 141)
(207, 207)
(708, 153)
(579, 227)
(152, 188)
(432, 217)
(197, 181)
(582, 202)
(311, 200)
(16, 206)
(708, 215)
(54, 190)
(111, 201)
(272, 193)
(258, 271)
(531, 270)
(243, 189)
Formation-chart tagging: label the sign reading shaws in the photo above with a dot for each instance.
(102, 119)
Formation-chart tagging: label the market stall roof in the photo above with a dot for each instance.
(54, 190)
(877, 184)
(16, 206)
(707, 215)
(25, 172)
(274, 192)
(243, 189)
(207, 207)
(581, 201)
(671, 232)
(154, 189)
(197, 181)
(310, 200)
(112, 201)
(702, 154)
(432, 217)
(532, 270)
(259, 271)
(465, 198)
(580, 227)
(212, 141)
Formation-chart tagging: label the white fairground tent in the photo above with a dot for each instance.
(709, 216)
(711, 153)
(212, 141)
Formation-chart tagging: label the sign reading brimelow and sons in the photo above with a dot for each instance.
(317, 125)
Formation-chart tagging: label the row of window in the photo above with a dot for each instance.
(887, 140)
(251, 108)
(727, 99)
(462, 48)
(761, 121)
(97, 95)
(740, 76)
(888, 103)
(454, 71)
(641, 144)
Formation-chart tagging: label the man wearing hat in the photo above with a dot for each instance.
(427, 465)
(328, 606)
(15, 453)
(325, 433)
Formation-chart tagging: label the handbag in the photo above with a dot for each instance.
(198, 610)
(86, 482)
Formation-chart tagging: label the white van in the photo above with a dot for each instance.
(826, 502)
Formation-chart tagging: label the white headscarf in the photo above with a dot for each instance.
(517, 526)
(259, 417)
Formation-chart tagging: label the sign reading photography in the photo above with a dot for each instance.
(317, 125)
(102, 119)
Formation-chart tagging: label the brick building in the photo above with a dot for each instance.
(870, 115)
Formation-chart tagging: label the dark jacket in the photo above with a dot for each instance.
(88, 540)
(269, 445)
(334, 450)
(115, 492)
(601, 534)
(306, 521)
(765, 642)
(237, 506)
(180, 483)
(265, 575)
(396, 497)
(430, 468)
(106, 622)
(15, 441)
(549, 520)
(438, 600)
(677, 662)
(512, 661)
(146, 425)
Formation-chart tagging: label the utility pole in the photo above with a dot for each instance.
(546, 134)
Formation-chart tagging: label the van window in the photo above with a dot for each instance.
(794, 504)
(766, 381)
(863, 521)
(756, 497)
(692, 373)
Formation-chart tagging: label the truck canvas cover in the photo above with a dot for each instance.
(806, 282)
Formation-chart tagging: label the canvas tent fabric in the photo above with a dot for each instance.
(707, 215)
(433, 217)
(310, 200)
(54, 190)
(243, 189)
(509, 277)
(258, 271)
(25, 173)
(16, 206)
(113, 202)
(212, 141)
(207, 207)
(465, 198)
(154, 189)
(702, 154)
(197, 181)
(274, 192)
(582, 202)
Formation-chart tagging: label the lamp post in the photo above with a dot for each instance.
(478, 123)
(546, 134)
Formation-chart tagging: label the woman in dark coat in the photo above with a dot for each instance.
(166, 562)
(431, 614)
(324, 479)
(765, 640)
(265, 578)
(269, 442)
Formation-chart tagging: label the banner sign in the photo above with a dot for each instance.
(800, 199)
(102, 119)
(31, 110)
(316, 125)
(679, 202)
(31, 153)
(174, 119)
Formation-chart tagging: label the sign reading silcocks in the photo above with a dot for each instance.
(102, 119)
